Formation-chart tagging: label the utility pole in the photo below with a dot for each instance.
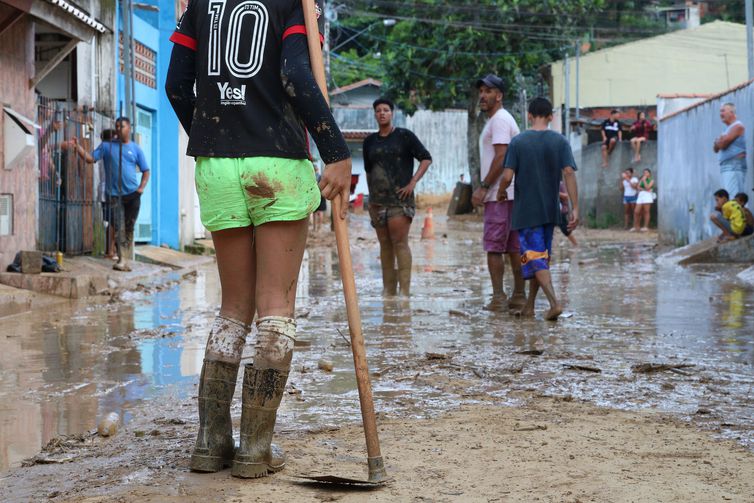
(567, 112)
(578, 76)
(749, 41)
(330, 13)
(128, 60)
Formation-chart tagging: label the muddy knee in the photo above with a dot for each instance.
(276, 336)
(226, 340)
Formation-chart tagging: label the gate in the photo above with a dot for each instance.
(67, 191)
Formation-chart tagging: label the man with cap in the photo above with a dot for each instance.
(499, 237)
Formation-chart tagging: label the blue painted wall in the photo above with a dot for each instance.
(153, 29)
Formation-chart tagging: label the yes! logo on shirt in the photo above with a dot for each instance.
(232, 95)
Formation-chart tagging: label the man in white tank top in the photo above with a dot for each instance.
(731, 151)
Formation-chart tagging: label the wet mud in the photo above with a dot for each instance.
(671, 343)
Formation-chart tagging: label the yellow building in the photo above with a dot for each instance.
(697, 60)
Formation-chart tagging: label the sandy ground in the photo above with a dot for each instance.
(545, 448)
(550, 449)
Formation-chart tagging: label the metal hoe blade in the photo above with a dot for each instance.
(342, 481)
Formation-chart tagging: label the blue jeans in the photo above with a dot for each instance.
(733, 175)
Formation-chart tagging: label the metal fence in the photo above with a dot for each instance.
(69, 218)
(688, 170)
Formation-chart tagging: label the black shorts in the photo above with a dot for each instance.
(322, 205)
(606, 143)
(563, 224)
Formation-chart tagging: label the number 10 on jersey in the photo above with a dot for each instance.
(244, 45)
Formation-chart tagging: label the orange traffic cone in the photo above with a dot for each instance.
(428, 231)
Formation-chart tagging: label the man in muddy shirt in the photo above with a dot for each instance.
(241, 84)
(389, 164)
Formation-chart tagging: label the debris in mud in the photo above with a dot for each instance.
(531, 352)
(109, 425)
(190, 275)
(164, 420)
(58, 449)
(436, 356)
(458, 312)
(647, 368)
(326, 365)
(536, 427)
(585, 368)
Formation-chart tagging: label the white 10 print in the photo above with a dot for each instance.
(248, 11)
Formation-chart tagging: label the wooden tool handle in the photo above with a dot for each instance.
(344, 257)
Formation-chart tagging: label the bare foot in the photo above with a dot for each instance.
(497, 303)
(517, 302)
(523, 313)
(553, 313)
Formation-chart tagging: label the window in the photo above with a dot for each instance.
(6, 214)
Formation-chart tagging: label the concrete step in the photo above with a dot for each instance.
(740, 251)
(747, 275)
(170, 258)
(81, 277)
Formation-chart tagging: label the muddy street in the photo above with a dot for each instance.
(647, 378)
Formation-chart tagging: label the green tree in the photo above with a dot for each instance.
(433, 55)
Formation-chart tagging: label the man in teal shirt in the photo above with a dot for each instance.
(124, 182)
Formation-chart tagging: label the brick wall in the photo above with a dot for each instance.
(17, 63)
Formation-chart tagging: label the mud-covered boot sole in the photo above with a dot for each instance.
(253, 470)
(207, 464)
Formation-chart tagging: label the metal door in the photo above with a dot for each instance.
(143, 137)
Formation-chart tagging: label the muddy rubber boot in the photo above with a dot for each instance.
(389, 281)
(214, 443)
(404, 280)
(257, 456)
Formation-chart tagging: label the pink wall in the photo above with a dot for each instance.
(17, 63)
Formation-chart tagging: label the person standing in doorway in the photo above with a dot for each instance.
(389, 165)
(630, 186)
(539, 158)
(731, 151)
(499, 237)
(640, 130)
(611, 135)
(246, 111)
(126, 182)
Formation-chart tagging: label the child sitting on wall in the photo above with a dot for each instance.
(743, 200)
(729, 217)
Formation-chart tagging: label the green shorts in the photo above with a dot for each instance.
(239, 192)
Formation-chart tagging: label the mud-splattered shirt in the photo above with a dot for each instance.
(389, 165)
(250, 100)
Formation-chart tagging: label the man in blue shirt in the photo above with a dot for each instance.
(127, 181)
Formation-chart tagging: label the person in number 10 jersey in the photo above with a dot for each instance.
(242, 87)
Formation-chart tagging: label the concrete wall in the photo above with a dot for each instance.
(17, 64)
(689, 171)
(444, 135)
(600, 189)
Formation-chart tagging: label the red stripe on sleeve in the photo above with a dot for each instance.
(184, 40)
(300, 29)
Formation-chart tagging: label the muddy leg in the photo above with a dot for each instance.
(279, 249)
(387, 261)
(528, 310)
(236, 263)
(496, 266)
(518, 298)
(398, 228)
(545, 281)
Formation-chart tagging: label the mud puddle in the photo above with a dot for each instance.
(62, 369)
